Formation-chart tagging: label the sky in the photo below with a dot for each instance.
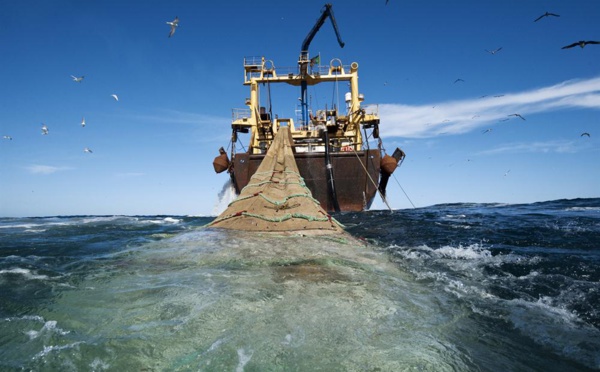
(443, 97)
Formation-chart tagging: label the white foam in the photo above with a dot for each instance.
(49, 326)
(49, 349)
(35, 318)
(215, 345)
(243, 359)
(25, 272)
(585, 209)
(98, 364)
(287, 340)
(473, 252)
(104, 219)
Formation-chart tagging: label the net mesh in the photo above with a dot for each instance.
(276, 198)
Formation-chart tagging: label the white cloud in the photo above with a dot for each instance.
(534, 147)
(455, 117)
(45, 169)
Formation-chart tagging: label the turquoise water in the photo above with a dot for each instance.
(445, 288)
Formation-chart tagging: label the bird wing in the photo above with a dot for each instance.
(172, 31)
(592, 42)
(570, 45)
(540, 17)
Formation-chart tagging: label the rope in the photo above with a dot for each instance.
(404, 191)
(275, 202)
(371, 178)
(285, 217)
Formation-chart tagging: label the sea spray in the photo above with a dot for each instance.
(214, 300)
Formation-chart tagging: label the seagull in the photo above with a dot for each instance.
(582, 134)
(546, 15)
(87, 149)
(518, 115)
(174, 24)
(487, 130)
(83, 122)
(507, 172)
(115, 97)
(7, 138)
(581, 43)
(457, 80)
(77, 79)
(44, 129)
(494, 51)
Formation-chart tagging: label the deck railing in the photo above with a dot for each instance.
(240, 113)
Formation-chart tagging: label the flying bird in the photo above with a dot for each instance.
(517, 115)
(7, 138)
(581, 43)
(457, 80)
(494, 51)
(487, 130)
(77, 79)
(174, 24)
(83, 122)
(88, 150)
(44, 129)
(507, 172)
(585, 134)
(115, 97)
(547, 14)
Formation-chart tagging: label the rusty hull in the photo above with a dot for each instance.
(355, 190)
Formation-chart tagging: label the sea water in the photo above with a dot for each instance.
(458, 287)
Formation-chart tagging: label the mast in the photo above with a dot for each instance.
(304, 61)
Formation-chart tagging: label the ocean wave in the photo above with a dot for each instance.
(584, 209)
(35, 318)
(471, 252)
(48, 327)
(31, 225)
(556, 328)
(51, 348)
(28, 274)
(166, 220)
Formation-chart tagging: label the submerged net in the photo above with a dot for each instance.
(276, 198)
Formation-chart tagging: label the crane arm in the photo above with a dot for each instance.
(327, 12)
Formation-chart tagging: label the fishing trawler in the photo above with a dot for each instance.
(330, 145)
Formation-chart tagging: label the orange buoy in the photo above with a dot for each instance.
(388, 164)
(221, 162)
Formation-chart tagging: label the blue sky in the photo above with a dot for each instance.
(153, 149)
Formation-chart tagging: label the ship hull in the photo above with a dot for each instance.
(356, 176)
